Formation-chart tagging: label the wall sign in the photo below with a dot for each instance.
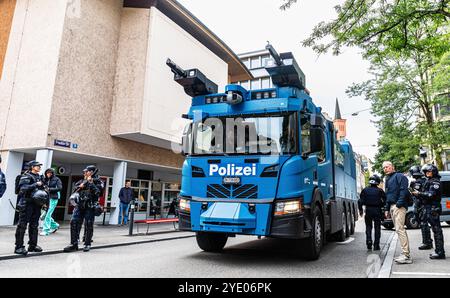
(61, 143)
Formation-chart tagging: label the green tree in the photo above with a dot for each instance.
(407, 43)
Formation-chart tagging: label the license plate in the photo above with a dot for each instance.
(448, 204)
(231, 180)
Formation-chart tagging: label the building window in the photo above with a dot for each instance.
(245, 85)
(264, 60)
(256, 62)
(265, 83)
(255, 84)
(246, 62)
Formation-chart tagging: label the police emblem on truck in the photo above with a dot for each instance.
(232, 170)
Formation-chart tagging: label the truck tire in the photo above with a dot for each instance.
(411, 221)
(312, 246)
(388, 226)
(448, 222)
(211, 242)
(341, 236)
(352, 222)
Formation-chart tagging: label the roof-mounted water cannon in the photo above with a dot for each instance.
(284, 70)
(194, 82)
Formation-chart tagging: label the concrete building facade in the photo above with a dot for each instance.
(85, 82)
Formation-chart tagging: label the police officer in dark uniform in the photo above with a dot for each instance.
(86, 199)
(374, 199)
(2, 181)
(431, 198)
(419, 211)
(32, 198)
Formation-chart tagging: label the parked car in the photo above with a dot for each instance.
(412, 223)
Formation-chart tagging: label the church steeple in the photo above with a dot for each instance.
(340, 124)
(338, 111)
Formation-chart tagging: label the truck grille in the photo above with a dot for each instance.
(246, 191)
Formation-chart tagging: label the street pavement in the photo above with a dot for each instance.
(422, 266)
(243, 257)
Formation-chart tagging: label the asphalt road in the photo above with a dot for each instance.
(243, 257)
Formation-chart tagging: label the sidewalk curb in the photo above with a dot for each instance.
(60, 251)
(388, 259)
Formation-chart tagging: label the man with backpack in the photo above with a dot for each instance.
(398, 198)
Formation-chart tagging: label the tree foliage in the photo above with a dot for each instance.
(407, 44)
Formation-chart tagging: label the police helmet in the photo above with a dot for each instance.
(75, 199)
(40, 197)
(415, 172)
(430, 168)
(374, 180)
(34, 163)
(90, 169)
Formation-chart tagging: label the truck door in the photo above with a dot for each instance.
(324, 169)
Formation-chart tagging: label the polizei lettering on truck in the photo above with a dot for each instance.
(232, 170)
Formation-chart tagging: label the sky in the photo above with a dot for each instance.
(247, 25)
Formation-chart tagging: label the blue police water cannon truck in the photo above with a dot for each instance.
(264, 163)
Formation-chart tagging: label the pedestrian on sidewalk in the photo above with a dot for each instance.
(2, 180)
(32, 198)
(373, 198)
(54, 186)
(397, 193)
(126, 196)
(431, 197)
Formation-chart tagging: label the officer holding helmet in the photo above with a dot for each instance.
(374, 199)
(85, 199)
(419, 211)
(431, 198)
(32, 198)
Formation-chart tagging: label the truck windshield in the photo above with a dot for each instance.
(269, 135)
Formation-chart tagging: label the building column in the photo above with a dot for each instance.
(11, 166)
(120, 175)
(45, 157)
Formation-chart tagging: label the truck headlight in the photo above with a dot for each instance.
(185, 205)
(288, 207)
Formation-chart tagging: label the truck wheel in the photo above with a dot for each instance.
(342, 234)
(211, 242)
(411, 222)
(388, 226)
(312, 246)
(448, 222)
(352, 222)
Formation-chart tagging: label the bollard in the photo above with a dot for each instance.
(131, 220)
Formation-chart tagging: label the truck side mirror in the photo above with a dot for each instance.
(186, 140)
(317, 139)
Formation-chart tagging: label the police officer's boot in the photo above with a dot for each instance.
(71, 248)
(35, 248)
(376, 246)
(369, 245)
(87, 248)
(426, 246)
(436, 256)
(439, 241)
(21, 251)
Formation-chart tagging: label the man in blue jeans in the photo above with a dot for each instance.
(125, 196)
